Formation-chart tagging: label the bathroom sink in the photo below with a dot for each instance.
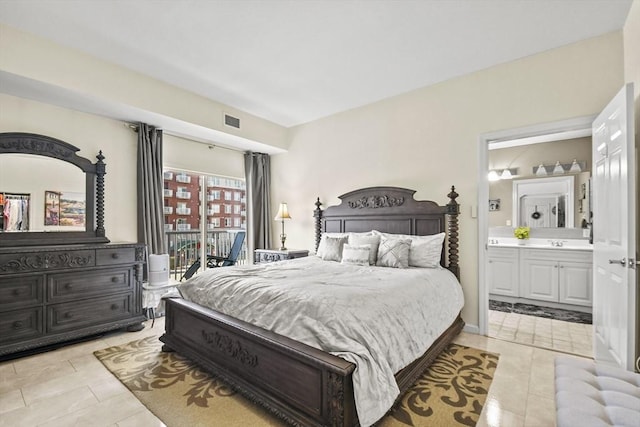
(538, 243)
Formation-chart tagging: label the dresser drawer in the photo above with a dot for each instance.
(79, 314)
(20, 325)
(44, 261)
(20, 291)
(66, 286)
(113, 256)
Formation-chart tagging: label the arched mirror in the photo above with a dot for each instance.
(49, 194)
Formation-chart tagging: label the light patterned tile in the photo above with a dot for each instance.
(493, 415)
(541, 412)
(11, 400)
(47, 409)
(36, 376)
(143, 418)
(62, 384)
(109, 412)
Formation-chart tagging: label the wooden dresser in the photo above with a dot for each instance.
(52, 294)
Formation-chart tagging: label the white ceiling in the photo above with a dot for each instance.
(293, 61)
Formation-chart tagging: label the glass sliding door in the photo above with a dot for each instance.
(202, 215)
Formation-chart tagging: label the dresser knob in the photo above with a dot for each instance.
(114, 256)
(114, 306)
(68, 315)
(114, 279)
(16, 292)
(17, 324)
(68, 286)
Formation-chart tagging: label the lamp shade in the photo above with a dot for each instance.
(506, 174)
(575, 167)
(283, 212)
(493, 176)
(542, 171)
(558, 169)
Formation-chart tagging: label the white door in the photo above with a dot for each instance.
(614, 273)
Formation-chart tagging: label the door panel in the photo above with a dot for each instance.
(614, 277)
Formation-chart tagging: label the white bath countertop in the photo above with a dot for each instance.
(534, 243)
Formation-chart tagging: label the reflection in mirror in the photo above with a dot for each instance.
(544, 202)
(41, 194)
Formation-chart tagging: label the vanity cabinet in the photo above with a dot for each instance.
(52, 294)
(557, 276)
(503, 272)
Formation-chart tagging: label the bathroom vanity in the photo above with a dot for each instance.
(547, 272)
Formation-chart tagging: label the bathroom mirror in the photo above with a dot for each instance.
(544, 202)
(50, 195)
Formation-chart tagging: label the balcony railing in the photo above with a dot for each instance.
(168, 176)
(183, 194)
(183, 227)
(168, 192)
(183, 211)
(168, 227)
(168, 210)
(211, 212)
(184, 248)
(185, 179)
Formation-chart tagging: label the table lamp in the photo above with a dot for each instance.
(283, 213)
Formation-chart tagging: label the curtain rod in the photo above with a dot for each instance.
(134, 127)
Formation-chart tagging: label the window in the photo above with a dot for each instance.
(227, 209)
(227, 195)
(227, 222)
(236, 222)
(215, 194)
(237, 196)
(237, 209)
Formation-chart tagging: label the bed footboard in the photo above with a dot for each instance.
(298, 383)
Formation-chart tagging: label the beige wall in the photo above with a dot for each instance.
(525, 158)
(428, 139)
(118, 143)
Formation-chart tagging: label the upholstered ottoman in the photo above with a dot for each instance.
(590, 394)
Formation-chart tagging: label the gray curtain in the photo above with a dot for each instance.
(150, 190)
(258, 175)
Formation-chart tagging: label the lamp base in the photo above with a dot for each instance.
(283, 237)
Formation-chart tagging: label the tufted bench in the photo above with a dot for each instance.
(589, 394)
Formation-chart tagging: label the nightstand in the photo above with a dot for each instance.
(271, 255)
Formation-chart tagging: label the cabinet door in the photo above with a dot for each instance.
(539, 279)
(575, 282)
(503, 276)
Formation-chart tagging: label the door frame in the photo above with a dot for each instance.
(543, 132)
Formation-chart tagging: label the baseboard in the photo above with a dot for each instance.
(472, 329)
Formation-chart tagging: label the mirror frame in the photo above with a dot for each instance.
(567, 183)
(40, 145)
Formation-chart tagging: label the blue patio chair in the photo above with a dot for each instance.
(214, 261)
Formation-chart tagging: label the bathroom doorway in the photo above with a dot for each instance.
(537, 294)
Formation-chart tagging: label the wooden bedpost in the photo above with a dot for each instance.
(100, 172)
(317, 214)
(453, 210)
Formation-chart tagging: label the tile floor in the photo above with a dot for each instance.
(69, 387)
(551, 334)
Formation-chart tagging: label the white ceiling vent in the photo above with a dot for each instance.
(234, 122)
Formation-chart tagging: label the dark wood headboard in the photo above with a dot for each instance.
(393, 210)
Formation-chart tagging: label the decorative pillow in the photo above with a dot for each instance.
(426, 251)
(393, 253)
(323, 238)
(333, 248)
(372, 241)
(358, 255)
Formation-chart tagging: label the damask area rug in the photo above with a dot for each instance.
(451, 392)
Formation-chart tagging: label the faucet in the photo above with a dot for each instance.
(557, 243)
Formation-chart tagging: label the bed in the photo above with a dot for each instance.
(300, 383)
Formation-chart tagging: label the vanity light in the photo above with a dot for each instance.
(558, 169)
(575, 167)
(498, 174)
(542, 171)
(506, 174)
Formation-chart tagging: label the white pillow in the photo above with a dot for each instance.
(358, 255)
(373, 242)
(323, 238)
(425, 251)
(393, 253)
(333, 248)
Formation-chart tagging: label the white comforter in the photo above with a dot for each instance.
(379, 318)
